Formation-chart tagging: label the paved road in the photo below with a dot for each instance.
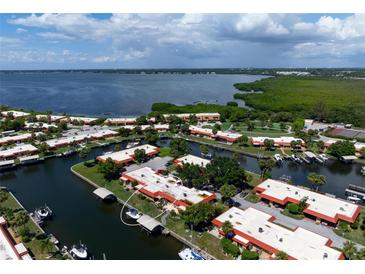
(292, 223)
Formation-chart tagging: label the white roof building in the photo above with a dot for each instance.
(15, 138)
(127, 155)
(225, 135)
(53, 118)
(156, 185)
(38, 125)
(17, 150)
(63, 141)
(318, 205)
(193, 160)
(278, 141)
(15, 113)
(86, 120)
(256, 227)
(121, 121)
(8, 249)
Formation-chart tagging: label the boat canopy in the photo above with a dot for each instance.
(103, 193)
(148, 223)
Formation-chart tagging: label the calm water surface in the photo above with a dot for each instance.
(112, 93)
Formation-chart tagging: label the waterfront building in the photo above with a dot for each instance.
(82, 136)
(52, 118)
(14, 113)
(229, 137)
(121, 121)
(127, 155)
(254, 227)
(191, 159)
(19, 150)
(157, 127)
(10, 249)
(284, 141)
(319, 206)
(157, 186)
(201, 117)
(38, 125)
(83, 120)
(15, 138)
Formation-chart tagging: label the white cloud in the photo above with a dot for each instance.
(54, 36)
(20, 30)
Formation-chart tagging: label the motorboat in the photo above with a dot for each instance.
(189, 254)
(132, 144)
(133, 213)
(207, 155)
(363, 170)
(278, 157)
(296, 159)
(79, 251)
(354, 199)
(323, 157)
(43, 213)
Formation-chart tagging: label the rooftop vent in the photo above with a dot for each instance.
(281, 240)
(325, 255)
(185, 195)
(261, 229)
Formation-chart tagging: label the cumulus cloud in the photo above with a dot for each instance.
(182, 37)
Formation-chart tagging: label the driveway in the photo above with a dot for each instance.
(293, 223)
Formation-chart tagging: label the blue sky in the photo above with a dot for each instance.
(63, 41)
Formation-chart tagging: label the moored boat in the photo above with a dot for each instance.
(189, 254)
(79, 251)
(133, 213)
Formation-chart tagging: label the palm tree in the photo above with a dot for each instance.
(227, 227)
(350, 250)
(281, 255)
(316, 180)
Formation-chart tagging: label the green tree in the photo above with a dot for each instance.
(250, 126)
(179, 147)
(227, 227)
(117, 147)
(124, 132)
(3, 196)
(362, 153)
(281, 255)
(266, 165)
(293, 208)
(21, 218)
(243, 140)
(151, 135)
(249, 255)
(84, 152)
(222, 170)
(141, 120)
(200, 215)
(316, 180)
(140, 155)
(229, 247)
(192, 175)
(320, 145)
(227, 191)
(342, 148)
(349, 250)
(298, 125)
(109, 169)
(269, 144)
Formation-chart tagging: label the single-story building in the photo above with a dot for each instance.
(10, 249)
(127, 155)
(319, 206)
(53, 118)
(191, 159)
(157, 186)
(14, 113)
(229, 137)
(201, 117)
(19, 150)
(83, 120)
(15, 138)
(284, 141)
(254, 227)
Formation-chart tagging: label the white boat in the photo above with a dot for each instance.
(363, 170)
(354, 199)
(132, 144)
(189, 254)
(43, 213)
(133, 214)
(323, 157)
(278, 157)
(79, 251)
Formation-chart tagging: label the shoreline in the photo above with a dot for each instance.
(172, 233)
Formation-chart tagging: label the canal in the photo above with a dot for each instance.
(79, 216)
(338, 174)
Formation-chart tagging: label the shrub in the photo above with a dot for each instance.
(293, 208)
(230, 248)
(249, 255)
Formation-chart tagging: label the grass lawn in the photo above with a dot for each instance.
(353, 234)
(255, 179)
(204, 240)
(39, 248)
(253, 198)
(164, 151)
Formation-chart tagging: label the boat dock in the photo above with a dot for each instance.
(355, 191)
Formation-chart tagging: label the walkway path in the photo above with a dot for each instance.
(292, 223)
